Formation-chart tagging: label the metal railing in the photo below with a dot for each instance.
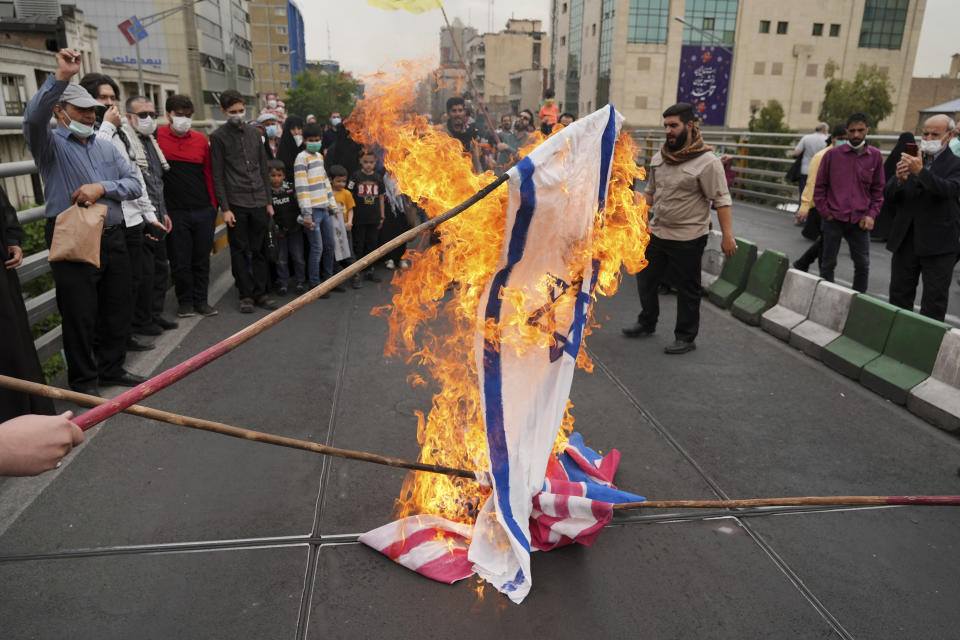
(760, 177)
(35, 265)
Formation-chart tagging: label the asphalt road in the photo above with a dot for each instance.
(154, 531)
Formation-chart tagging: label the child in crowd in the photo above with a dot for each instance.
(285, 212)
(367, 188)
(549, 113)
(343, 223)
(316, 201)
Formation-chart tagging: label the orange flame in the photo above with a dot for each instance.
(433, 313)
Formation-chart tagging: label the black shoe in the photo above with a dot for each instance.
(679, 346)
(88, 389)
(300, 287)
(372, 277)
(126, 379)
(638, 331)
(800, 267)
(165, 324)
(282, 290)
(205, 310)
(266, 302)
(356, 282)
(139, 344)
(149, 330)
(246, 305)
(185, 311)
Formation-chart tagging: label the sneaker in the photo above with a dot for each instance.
(149, 330)
(390, 265)
(356, 282)
(205, 310)
(300, 288)
(404, 264)
(266, 302)
(679, 346)
(372, 276)
(185, 311)
(282, 290)
(246, 305)
(165, 324)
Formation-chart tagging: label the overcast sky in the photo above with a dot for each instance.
(364, 38)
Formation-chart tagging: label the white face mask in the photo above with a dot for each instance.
(145, 126)
(236, 119)
(180, 124)
(857, 146)
(298, 139)
(930, 147)
(272, 104)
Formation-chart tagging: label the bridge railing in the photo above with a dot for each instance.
(760, 160)
(42, 306)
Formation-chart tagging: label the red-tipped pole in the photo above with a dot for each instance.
(175, 373)
(821, 501)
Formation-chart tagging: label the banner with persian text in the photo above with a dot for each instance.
(704, 81)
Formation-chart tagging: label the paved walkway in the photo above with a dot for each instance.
(155, 531)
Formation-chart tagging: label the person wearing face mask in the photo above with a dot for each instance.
(139, 127)
(140, 215)
(848, 194)
(291, 144)
(925, 233)
(275, 107)
(77, 168)
(241, 181)
(807, 214)
(189, 198)
(330, 132)
(271, 134)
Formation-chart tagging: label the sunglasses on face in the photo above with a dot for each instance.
(147, 114)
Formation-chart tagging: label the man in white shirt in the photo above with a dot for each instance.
(808, 147)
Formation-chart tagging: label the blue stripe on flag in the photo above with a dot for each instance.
(492, 372)
(606, 153)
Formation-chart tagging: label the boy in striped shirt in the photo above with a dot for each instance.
(317, 203)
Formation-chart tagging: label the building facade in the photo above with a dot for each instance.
(493, 57)
(929, 92)
(279, 48)
(727, 56)
(205, 45)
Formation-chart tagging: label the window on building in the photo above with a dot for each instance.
(280, 11)
(811, 71)
(563, 41)
(563, 8)
(776, 69)
(720, 14)
(818, 28)
(593, 29)
(283, 67)
(281, 28)
(14, 94)
(883, 24)
(648, 21)
(834, 31)
(759, 68)
(806, 106)
(282, 48)
(764, 26)
(284, 85)
(781, 27)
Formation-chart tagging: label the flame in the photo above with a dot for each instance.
(433, 312)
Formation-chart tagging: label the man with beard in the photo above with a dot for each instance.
(684, 177)
(458, 128)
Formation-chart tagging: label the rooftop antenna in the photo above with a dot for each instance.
(329, 51)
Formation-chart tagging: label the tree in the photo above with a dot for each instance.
(768, 119)
(320, 93)
(867, 93)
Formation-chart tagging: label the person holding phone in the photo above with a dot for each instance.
(848, 194)
(78, 168)
(925, 230)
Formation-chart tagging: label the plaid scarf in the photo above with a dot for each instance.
(693, 148)
(136, 150)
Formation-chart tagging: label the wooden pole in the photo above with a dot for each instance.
(227, 430)
(185, 368)
(828, 501)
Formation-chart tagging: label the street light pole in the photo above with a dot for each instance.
(146, 21)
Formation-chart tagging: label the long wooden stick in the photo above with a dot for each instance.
(225, 429)
(832, 501)
(185, 368)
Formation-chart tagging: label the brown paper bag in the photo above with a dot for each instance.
(76, 235)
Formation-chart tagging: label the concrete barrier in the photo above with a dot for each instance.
(763, 287)
(828, 313)
(937, 399)
(793, 306)
(864, 336)
(908, 356)
(711, 265)
(733, 277)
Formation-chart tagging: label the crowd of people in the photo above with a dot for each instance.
(910, 201)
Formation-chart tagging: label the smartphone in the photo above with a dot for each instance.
(159, 233)
(910, 149)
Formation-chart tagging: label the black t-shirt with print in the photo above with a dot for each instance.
(367, 191)
(469, 134)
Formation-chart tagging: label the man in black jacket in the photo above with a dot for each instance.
(925, 234)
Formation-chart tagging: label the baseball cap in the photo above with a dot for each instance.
(266, 117)
(79, 97)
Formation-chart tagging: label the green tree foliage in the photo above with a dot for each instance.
(867, 93)
(768, 119)
(320, 93)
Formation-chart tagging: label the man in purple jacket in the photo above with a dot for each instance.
(848, 196)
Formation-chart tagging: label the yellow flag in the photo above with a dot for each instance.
(413, 6)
